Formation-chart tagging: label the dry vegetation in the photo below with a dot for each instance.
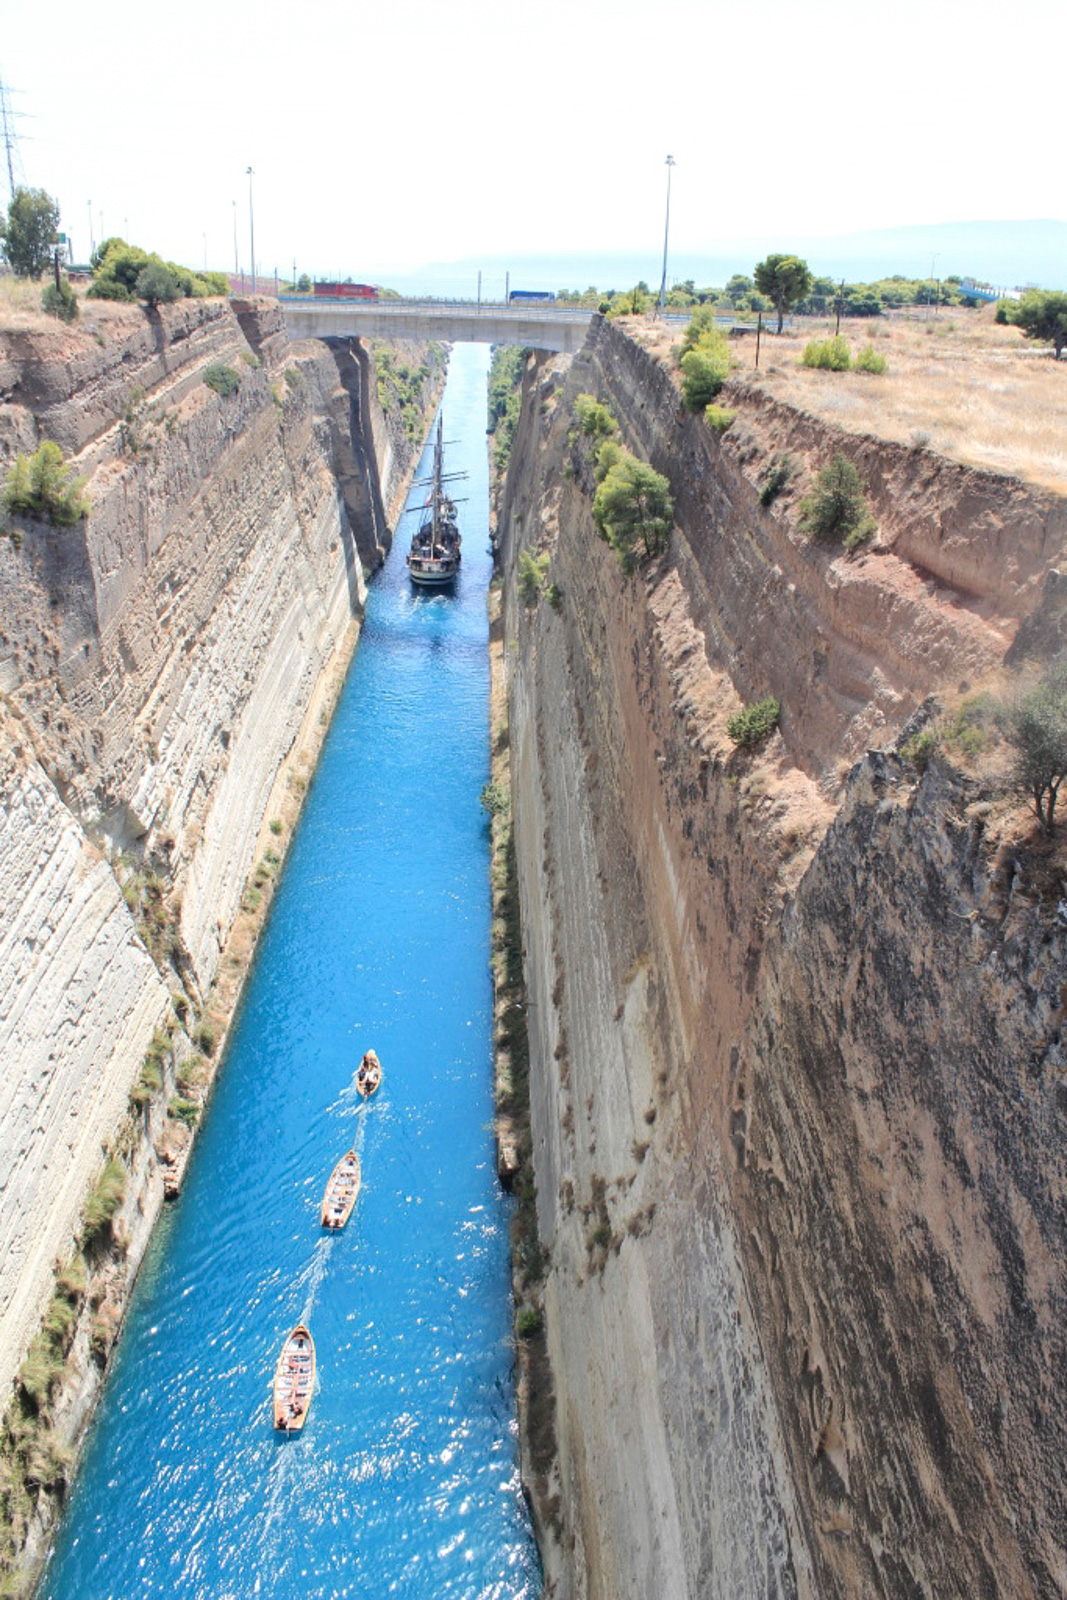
(20, 309)
(956, 381)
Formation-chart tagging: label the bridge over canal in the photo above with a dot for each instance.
(544, 327)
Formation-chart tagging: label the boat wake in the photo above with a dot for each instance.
(313, 1275)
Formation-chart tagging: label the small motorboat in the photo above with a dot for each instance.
(369, 1075)
(342, 1191)
(294, 1379)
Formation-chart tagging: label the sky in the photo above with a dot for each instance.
(383, 136)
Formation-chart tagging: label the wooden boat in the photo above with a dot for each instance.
(294, 1380)
(435, 552)
(341, 1192)
(369, 1075)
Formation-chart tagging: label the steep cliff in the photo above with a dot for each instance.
(162, 664)
(797, 1085)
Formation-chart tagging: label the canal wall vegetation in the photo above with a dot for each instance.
(167, 668)
(796, 1081)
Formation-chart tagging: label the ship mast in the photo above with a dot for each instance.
(438, 451)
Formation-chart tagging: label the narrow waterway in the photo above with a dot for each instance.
(404, 1481)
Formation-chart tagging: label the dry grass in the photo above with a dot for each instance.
(980, 393)
(20, 308)
(956, 381)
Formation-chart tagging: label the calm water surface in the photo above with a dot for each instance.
(404, 1481)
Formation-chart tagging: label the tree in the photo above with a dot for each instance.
(738, 289)
(113, 242)
(704, 371)
(633, 503)
(837, 509)
(1037, 730)
(30, 231)
(1042, 315)
(303, 284)
(785, 280)
(156, 283)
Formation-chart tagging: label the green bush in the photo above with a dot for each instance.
(185, 1111)
(970, 730)
(105, 1199)
(495, 798)
(157, 285)
(833, 355)
(108, 289)
(61, 302)
(206, 1039)
(700, 324)
(776, 478)
(633, 504)
(41, 486)
(295, 379)
(755, 722)
(704, 370)
(530, 1322)
(609, 455)
(837, 508)
(224, 380)
(719, 418)
(870, 360)
(594, 418)
(919, 748)
(532, 571)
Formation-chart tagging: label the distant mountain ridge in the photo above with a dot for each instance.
(1008, 254)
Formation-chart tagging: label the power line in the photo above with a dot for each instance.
(10, 136)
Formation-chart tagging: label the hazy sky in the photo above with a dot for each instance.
(384, 135)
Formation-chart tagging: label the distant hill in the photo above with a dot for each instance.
(1003, 253)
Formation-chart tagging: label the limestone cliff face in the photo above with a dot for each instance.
(797, 1082)
(158, 663)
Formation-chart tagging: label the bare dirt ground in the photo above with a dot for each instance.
(955, 381)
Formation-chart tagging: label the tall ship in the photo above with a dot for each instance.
(435, 550)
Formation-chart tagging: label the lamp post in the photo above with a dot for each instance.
(92, 245)
(666, 230)
(251, 230)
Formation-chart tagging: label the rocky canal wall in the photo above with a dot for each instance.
(798, 1092)
(165, 667)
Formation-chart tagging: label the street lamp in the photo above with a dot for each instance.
(666, 230)
(251, 230)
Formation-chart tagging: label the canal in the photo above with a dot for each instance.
(404, 1481)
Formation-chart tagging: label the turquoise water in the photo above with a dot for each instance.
(404, 1481)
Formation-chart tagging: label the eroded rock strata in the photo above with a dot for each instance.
(160, 664)
(798, 1090)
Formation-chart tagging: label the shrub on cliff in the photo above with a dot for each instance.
(42, 486)
(594, 418)
(61, 302)
(157, 285)
(837, 508)
(633, 507)
(704, 371)
(532, 573)
(700, 324)
(776, 478)
(754, 722)
(224, 380)
(1036, 727)
(118, 270)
